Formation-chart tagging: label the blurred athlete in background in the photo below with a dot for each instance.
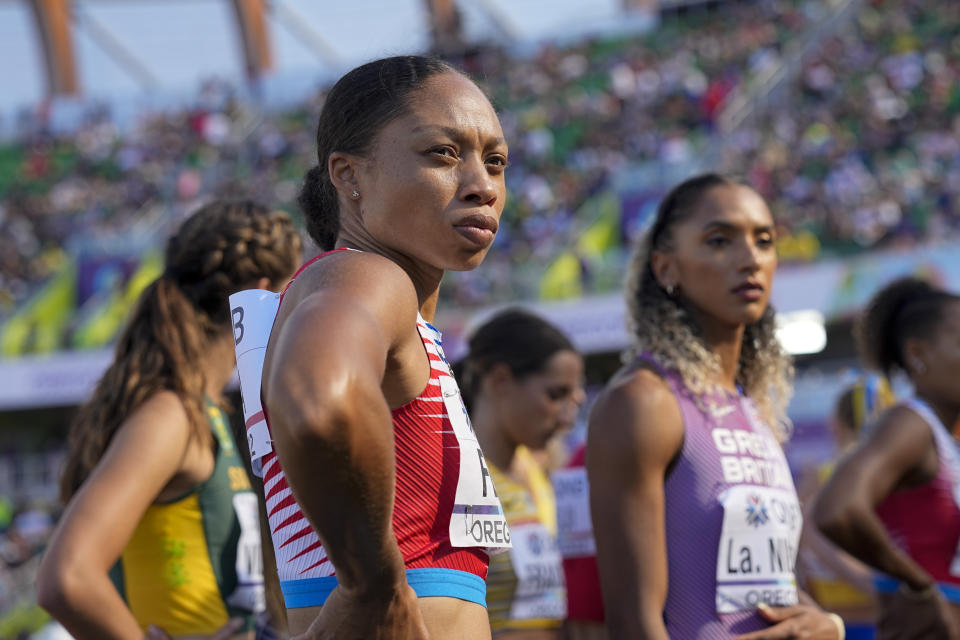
(160, 530)
(585, 615)
(835, 579)
(523, 382)
(894, 503)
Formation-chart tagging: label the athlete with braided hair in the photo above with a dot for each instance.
(160, 531)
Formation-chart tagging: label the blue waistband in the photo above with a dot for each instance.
(886, 584)
(426, 583)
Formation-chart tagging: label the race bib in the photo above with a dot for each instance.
(574, 527)
(249, 594)
(758, 548)
(540, 592)
(477, 519)
(253, 312)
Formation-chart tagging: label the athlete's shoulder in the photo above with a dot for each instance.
(362, 270)
(353, 281)
(900, 433)
(637, 412)
(160, 426)
(637, 391)
(163, 406)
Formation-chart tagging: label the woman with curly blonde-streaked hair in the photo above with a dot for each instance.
(160, 534)
(695, 514)
(664, 328)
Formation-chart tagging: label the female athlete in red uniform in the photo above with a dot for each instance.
(895, 502)
(381, 506)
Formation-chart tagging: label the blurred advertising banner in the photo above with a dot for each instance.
(840, 288)
(837, 289)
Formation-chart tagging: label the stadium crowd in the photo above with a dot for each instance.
(865, 150)
(864, 153)
(575, 115)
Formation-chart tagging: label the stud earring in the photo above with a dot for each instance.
(355, 194)
(670, 290)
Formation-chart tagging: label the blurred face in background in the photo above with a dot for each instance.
(841, 431)
(535, 407)
(938, 376)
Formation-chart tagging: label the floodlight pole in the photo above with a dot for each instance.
(445, 28)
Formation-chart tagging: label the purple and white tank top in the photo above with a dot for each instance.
(732, 518)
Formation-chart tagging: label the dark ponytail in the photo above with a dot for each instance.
(318, 202)
(519, 339)
(358, 106)
(908, 308)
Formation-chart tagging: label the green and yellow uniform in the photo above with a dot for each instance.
(194, 562)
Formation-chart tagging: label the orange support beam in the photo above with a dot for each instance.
(252, 22)
(444, 25)
(54, 27)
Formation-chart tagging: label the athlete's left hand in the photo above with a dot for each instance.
(799, 622)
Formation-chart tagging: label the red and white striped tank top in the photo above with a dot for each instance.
(427, 471)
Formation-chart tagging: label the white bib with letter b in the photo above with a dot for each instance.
(253, 312)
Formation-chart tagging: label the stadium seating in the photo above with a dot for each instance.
(862, 154)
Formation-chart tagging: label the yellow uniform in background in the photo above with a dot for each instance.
(525, 588)
(194, 562)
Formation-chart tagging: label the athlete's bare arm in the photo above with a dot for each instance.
(147, 452)
(899, 452)
(343, 337)
(814, 547)
(635, 430)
